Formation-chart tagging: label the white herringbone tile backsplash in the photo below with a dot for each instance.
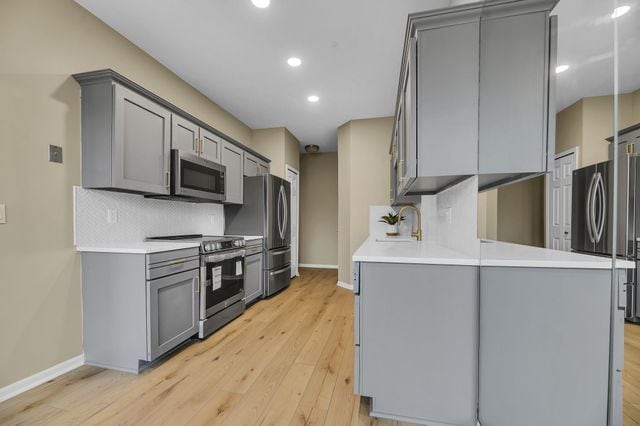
(139, 217)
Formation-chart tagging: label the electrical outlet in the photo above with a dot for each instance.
(55, 154)
(112, 216)
(3, 214)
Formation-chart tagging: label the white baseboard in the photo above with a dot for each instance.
(314, 265)
(345, 285)
(31, 382)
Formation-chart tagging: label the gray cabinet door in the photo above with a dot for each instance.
(141, 143)
(544, 346)
(232, 158)
(513, 73)
(251, 167)
(419, 341)
(448, 81)
(184, 135)
(253, 277)
(210, 146)
(409, 150)
(263, 168)
(173, 311)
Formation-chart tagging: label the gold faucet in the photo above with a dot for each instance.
(418, 233)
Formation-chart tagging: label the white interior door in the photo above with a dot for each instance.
(293, 176)
(559, 201)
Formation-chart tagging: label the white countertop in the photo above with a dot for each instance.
(424, 252)
(506, 254)
(492, 254)
(143, 247)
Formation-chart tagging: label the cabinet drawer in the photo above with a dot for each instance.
(170, 268)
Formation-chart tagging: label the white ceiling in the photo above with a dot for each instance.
(586, 44)
(236, 54)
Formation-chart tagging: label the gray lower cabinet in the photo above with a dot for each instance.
(417, 331)
(253, 166)
(253, 288)
(514, 346)
(544, 348)
(233, 158)
(119, 128)
(137, 307)
(173, 311)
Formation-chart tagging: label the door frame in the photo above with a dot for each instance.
(292, 169)
(547, 215)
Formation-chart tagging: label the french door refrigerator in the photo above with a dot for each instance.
(592, 212)
(266, 212)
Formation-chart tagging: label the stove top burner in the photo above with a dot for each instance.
(208, 243)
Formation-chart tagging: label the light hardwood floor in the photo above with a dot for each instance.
(287, 360)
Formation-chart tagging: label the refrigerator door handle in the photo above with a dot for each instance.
(588, 209)
(603, 206)
(280, 215)
(285, 211)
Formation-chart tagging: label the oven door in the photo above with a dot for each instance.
(197, 178)
(222, 280)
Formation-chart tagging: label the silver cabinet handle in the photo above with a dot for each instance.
(167, 178)
(196, 285)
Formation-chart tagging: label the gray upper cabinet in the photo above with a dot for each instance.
(188, 136)
(128, 133)
(184, 135)
(120, 127)
(210, 146)
(513, 94)
(449, 140)
(233, 158)
(474, 96)
(253, 166)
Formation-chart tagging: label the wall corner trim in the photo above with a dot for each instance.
(41, 377)
(345, 285)
(317, 265)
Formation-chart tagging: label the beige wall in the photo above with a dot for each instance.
(319, 208)
(520, 209)
(344, 205)
(42, 44)
(488, 215)
(280, 146)
(363, 180)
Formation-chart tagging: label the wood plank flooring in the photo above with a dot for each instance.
(287, 360)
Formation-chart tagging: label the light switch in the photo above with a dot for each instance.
(112, 216)
(3, 213)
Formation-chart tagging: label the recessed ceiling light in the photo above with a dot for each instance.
(619, 11)
(294, 62)
(261, 3)
(561, 68)
(313, 98)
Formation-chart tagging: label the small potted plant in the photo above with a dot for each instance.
(392, 220)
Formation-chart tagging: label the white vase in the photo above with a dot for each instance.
(392, 230)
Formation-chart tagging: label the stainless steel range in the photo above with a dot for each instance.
(221, 279)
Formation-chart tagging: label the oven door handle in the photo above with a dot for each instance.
(224, 256)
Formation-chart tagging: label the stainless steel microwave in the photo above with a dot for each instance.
(195, 178)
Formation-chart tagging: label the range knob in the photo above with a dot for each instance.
(218, 245)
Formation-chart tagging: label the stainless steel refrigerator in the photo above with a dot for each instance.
(592, 211)
(266, 212)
